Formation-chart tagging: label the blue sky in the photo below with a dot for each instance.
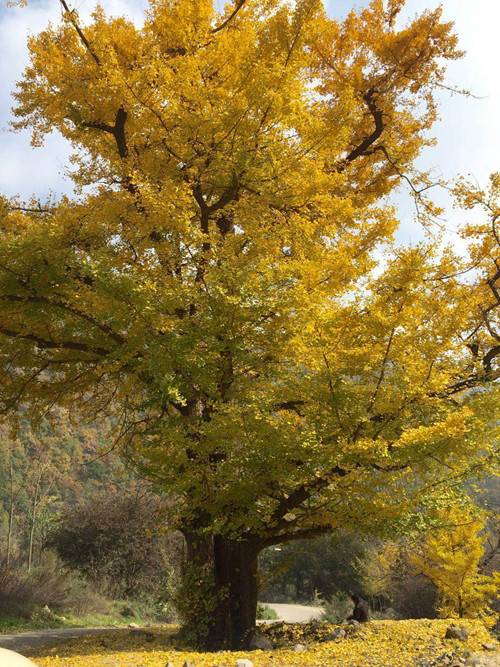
(468, 136)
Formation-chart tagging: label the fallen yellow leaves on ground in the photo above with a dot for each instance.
(376, 644)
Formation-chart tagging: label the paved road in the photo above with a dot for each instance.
(295, 613)
(24, 642)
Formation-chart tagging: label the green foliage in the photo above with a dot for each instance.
(337, 608)
(196, 603)
(266, 613)
(299, 570)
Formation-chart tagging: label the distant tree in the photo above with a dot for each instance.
(390, 581)
(45, 467)
(218, 285)
(300, 570)
(451, 558)
(13, 466)
(33, 466)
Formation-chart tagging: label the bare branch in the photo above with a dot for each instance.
(46, 344)
(29, 209)
(231, 16)
(71, 15)
(117, 130)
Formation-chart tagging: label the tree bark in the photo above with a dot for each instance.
(232, 565)
(236, 573)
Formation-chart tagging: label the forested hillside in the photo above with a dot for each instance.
(78, 529)
(45, 469)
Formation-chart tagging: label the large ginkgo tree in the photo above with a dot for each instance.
(225, 283)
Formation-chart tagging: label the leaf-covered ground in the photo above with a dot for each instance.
(377, 644)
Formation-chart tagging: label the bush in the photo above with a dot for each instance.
(83, 600)
(118, 541)
(265, 613)
(337, 608)
(48, 588)
(22, 591)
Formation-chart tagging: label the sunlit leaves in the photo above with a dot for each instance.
(398, 643)
(226, 282)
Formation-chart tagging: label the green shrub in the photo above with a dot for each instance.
(265, 613)
(337, 608)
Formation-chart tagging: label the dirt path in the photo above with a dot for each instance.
(25, 642)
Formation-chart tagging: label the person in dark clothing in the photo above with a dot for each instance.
(360, 612)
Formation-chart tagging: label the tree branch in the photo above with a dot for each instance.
(489, 356)
(84, 40)
(117, 130)
(231, 16)
(304, 492)
(293, 406)
(46, 344)
(363, 147)
(29, 209)
(304, 534)
(105, 328)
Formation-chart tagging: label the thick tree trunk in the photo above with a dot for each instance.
(232, 565)
(236, 573)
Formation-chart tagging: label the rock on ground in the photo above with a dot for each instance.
(12, 659)
(457, 632)
(338, 633)
(483, 660)
(259, 642)
(300, 648)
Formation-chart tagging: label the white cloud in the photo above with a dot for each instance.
(468, 138)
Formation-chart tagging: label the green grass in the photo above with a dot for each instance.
(42, 621)
(16, 624)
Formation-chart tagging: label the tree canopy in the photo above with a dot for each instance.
(225, 281)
